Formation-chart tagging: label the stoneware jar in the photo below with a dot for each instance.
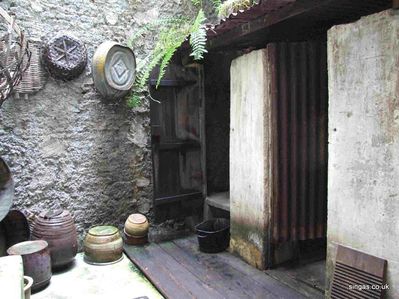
(103, 245)
(136, 226)
(58, 229)
(36, 260)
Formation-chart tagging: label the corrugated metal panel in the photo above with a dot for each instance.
(243, 16)
(300, 170)
(322, 11)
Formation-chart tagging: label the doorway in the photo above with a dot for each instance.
(299, 204)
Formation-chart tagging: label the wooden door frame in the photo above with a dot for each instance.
(191, 197)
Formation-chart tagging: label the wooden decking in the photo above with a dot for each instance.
(179, 270)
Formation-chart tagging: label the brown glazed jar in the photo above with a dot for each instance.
(58, 229)
(103, 245)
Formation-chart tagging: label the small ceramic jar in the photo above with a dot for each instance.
(136, 226)
(103, 245)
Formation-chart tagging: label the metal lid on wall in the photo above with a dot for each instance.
(114, 69)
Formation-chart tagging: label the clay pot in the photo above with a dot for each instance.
(28, 282)
(103, 245)
(36, 260)
(137, 225)
(58, 229)
(130, 240)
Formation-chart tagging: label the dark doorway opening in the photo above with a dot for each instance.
(299, 207)
(217, 128)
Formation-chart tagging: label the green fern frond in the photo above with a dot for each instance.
(155, 59)
(198, 43)
(134, 100)
(155, 25)
(216, 5)
(197, 3)
(172, 34)
(198, 37)
(199, 20)
(165, 62)
(232, 6)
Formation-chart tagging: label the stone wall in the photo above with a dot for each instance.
(66, 146)
(363, 189)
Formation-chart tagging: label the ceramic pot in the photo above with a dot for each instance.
(36, 260)
(28, 282)
(58, 229)
(130, 240)
(103, 245)
(137, 225)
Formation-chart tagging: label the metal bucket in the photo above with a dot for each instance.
(114, 70)
(6, 189)
(213, 235)
(36, 260)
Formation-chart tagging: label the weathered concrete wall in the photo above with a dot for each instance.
(250, 155)
(66, 145)
(363, 185)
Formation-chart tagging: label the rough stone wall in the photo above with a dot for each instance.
(363, 186)
(250, 156)
(66, 146)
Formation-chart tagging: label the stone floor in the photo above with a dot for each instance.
(121, 280)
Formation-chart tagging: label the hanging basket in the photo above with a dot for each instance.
(14, 54)
(35, 76)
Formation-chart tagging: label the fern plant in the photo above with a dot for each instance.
(173, 33)
(231, 6)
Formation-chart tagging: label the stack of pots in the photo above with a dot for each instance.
(136, 230)
(58, 229)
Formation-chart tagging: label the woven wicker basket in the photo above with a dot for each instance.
(35, 76)
(14, 54)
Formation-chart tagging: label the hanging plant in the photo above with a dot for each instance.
(172, 34)
(233, 6)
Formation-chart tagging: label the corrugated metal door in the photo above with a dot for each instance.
(177, 136)
(300, 103)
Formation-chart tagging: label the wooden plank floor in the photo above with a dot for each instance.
(179, 270)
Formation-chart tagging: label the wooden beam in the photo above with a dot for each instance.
(292, 10)
(395, 4)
